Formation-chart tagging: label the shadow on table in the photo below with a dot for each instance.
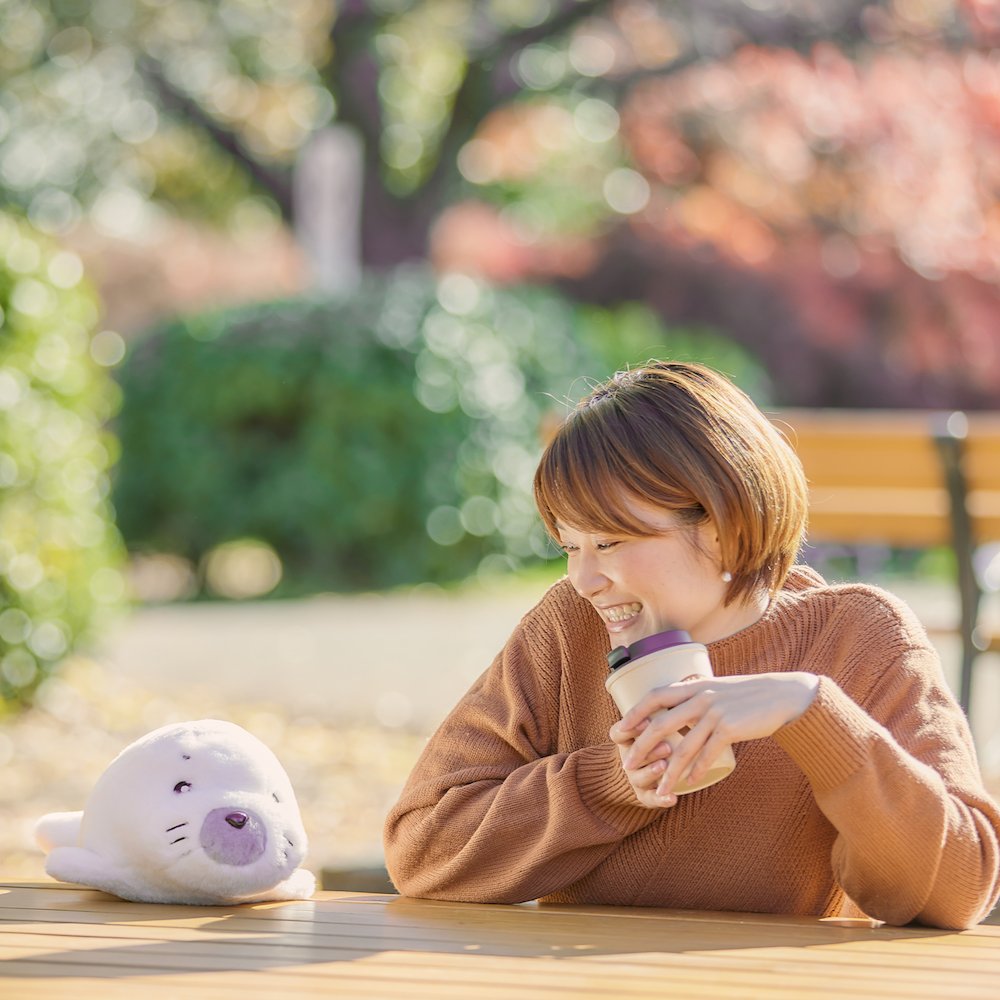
(303, 934)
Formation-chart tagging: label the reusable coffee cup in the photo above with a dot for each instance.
(656, 661)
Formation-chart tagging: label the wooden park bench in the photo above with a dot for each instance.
(907, 479)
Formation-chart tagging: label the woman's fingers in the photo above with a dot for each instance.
(664, 727)
(645, 779)
(648, 777)
(685, 756)
(661, 751)
(623, 735)
(645, 782)
(634, 720)
(708, 755)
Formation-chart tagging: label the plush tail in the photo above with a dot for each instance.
(58, 830)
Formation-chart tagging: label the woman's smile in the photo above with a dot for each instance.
(620, 613)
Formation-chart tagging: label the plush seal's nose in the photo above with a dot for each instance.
(233, 836)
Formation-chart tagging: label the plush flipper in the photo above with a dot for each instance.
(58, 830)
(301, 884)
(84, 867)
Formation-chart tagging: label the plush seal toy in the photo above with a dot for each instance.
(196, 812)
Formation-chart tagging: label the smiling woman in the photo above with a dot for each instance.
(856, 786)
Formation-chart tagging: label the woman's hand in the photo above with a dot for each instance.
(717, 712)
(645, 779)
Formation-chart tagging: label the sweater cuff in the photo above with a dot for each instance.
(831, 740)
(607, 793)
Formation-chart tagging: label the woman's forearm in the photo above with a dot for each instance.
(482, 835)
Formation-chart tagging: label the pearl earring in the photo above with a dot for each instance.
(727, 577)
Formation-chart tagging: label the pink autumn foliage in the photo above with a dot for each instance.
(862, 193)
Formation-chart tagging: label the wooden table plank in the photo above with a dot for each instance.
(857, 970)
(360, 941)
(60, 942)
(338, 981)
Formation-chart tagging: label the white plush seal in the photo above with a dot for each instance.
(195, 812)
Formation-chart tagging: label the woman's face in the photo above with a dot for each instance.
(641, 585)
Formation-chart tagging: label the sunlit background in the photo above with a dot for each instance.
(291, 293)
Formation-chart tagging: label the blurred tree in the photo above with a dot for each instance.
(383, 437)
(111, 108)
(204, 103)
(818, 179)
(59, 548)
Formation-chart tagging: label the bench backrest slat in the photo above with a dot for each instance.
(877, 476)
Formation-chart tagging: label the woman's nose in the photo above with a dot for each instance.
(586, 575)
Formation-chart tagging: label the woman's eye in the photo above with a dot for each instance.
(604, 546)
(182, 786)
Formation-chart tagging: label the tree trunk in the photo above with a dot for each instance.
(393, 230)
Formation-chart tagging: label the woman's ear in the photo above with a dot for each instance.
(709, 543)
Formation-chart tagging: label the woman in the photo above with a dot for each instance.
(856, 784)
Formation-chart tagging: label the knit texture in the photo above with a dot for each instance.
(872, 799)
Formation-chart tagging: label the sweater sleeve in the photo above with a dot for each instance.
(917, 834)
(492, 812)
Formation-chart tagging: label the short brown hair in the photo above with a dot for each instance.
(682, 437)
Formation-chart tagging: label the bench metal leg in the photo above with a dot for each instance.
(950, 438)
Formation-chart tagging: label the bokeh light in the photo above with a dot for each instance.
(626, 191)
(444, 525)
(243, 569)
(155, 577)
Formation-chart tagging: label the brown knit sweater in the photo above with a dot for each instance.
(872, 796)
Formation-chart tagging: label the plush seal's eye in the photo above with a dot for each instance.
(182, 786)
(274, 795)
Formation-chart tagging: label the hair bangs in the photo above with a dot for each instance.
(584, 482)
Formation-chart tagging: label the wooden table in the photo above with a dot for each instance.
(64, 942)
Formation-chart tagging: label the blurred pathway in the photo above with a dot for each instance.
(399, 660)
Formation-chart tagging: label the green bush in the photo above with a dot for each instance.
(59, 550)
(384, 438)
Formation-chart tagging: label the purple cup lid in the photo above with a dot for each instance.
(621, 655)
(661, 640)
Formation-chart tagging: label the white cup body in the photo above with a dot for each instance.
(632, 681)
